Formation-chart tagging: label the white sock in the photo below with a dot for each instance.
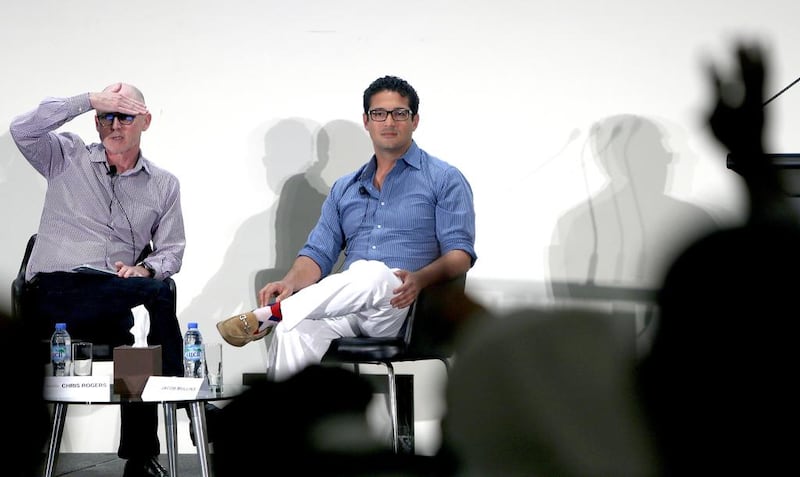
(263, 316)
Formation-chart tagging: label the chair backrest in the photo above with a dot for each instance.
(427, 329)
(18, 285)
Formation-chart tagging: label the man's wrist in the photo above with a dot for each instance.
(150, 271)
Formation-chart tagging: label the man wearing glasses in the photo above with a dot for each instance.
(404, 220)
(104, 204)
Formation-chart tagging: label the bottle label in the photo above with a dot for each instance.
(193, 352)
(59, 353)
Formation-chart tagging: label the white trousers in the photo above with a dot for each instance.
(354, 302)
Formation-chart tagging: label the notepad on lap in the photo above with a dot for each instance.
(92, 269)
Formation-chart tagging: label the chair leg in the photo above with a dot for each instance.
(393, 407)
(170, 429)
(59, 418)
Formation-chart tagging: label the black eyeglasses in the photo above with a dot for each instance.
(399, 114)
(106, 119)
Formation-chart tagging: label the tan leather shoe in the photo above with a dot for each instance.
(241, 329)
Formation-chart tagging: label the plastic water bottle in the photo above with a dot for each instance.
(61, 350)
(194, 360)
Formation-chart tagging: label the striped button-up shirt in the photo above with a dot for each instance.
(91, 217)
(423, 210)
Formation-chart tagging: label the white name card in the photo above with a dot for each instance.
(169, 388)
(77, 388)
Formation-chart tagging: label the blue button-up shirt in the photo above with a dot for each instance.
(423, 210)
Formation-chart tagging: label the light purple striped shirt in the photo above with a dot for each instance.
(423, 210)
(90, 217)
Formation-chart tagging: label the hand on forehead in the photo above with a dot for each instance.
(126, 90)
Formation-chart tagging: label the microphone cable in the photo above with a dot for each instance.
(780, 92)
(595, 256)
(592, 270)
(112, 171)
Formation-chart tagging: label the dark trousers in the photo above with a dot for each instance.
(97, 308)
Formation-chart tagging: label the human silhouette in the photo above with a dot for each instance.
(315, 423)
(625, 233)
(615, 246)
(717, 383)
(21, 350)
(299, 160)
(339, 145)
(288, 153)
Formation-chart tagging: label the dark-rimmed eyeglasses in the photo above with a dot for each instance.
(106, 119)
(399, 114)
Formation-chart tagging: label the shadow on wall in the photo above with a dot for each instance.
(23, 187)
(302, 176)
(630, 230)
(342, 147)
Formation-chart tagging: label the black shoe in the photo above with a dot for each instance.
(149, 467)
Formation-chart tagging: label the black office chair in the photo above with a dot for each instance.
(100, 351)
(425, 335)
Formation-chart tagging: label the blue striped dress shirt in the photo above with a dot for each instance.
(423, 210)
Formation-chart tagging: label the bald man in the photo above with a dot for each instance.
(105, 203)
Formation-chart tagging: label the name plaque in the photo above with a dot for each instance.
(77, 388)
(170, 388)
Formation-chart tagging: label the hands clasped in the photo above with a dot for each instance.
(128, 271)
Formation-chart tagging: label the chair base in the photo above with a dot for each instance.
(404, 442)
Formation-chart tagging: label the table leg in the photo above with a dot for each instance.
(201, 436)
(59, 417)
(171, 431)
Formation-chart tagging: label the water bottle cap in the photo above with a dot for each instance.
(61, 326)
(192, 325)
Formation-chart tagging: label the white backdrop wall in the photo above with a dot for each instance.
(555, 111)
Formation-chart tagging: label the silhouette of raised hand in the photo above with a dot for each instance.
(738, 121)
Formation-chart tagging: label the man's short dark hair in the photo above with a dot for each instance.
(392, 83)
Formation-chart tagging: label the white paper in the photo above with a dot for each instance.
(85, 268)
(169, 388)
(77, 388)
